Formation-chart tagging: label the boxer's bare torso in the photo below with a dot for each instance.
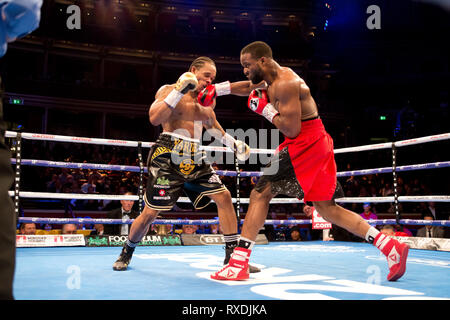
(187, 116)
(307, 103)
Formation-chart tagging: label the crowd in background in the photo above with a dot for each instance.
(65, 180)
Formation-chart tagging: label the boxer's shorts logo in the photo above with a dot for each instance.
(214, 179)
(187, 166)
(162, 181)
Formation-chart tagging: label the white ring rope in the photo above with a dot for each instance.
(127, 143)
(216, 221)
(94, 196)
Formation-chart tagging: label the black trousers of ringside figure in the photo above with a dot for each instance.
(7, 216)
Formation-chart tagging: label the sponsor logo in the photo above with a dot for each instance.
(254, 104)
(50, 240)
(117, 141)
(211, 239)
(393, 257)
(230, 273)
(168, 240)
(161, 187)
(162, 181)
(81, 139)
(97, 241)
(161, 198)
(214, 179)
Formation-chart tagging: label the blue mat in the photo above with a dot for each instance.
(290, 271)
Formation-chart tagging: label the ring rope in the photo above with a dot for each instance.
(128, 143)
(59, 138)
(94, 196)
(216, 221)
(115, 167)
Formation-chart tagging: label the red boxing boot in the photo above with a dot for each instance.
(237, 267)
(396, 254)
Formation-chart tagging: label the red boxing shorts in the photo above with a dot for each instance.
(304, 167)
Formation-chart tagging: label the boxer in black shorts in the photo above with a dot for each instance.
(176, 165)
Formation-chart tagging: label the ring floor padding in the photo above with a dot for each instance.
(290, 271)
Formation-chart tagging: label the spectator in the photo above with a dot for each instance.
(91, 204)
(429, 231)
(99, 230)
(368, 214)
(269, 229)
(124, 212)
(295, 234)
(69, 228)
(189, 229)
(400, 228)
(90, 185)
(63, 177)
(27, 228)
(53, 185)
(389, 230)
(387, 190)
(214, 229)
(430, 209)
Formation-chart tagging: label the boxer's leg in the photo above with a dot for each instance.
(225, 211)
(141, 224)
(395, 251)
(257, 212)
(138, 230)
(344, 218)
(238, 267)
(228, 223)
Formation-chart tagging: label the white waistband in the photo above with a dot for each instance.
(179, 136)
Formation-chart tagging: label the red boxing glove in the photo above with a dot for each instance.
(207, 96)
(258, 101)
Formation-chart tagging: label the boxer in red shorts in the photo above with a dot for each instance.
(302, 167)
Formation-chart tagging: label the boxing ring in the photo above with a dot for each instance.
(313, 270)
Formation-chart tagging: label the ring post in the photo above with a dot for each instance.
(141, 176)
(238, 198)
(17, 174)
(394, 177)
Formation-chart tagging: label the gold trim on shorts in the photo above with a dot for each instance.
(205, 193)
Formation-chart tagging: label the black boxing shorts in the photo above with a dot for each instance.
(177, 166)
